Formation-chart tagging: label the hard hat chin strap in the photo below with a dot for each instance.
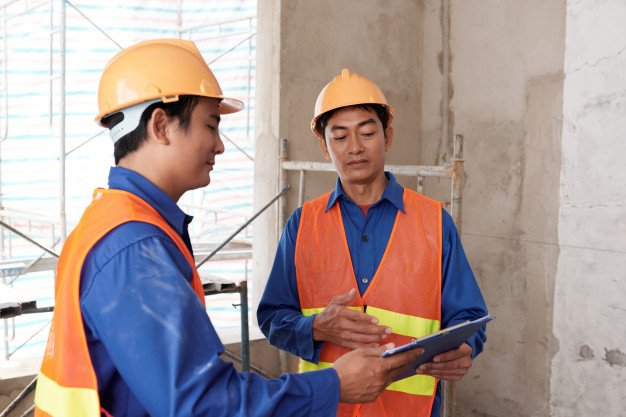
(131, 118)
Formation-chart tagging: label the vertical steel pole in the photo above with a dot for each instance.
(458, 174)
(245, 336)
(51, 65)
(62, 41)
(5, 111)
(282, 177)
(301, 189)
(179, 19)
(249, 59)
(5, 333)
(456, 205)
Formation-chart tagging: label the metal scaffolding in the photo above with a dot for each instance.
(20, 223)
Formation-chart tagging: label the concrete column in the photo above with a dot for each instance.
(588, 372)
(268, 111)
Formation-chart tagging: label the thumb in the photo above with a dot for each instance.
(345, 298)
(377, 351)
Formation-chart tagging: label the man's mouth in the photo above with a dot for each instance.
(357, 162)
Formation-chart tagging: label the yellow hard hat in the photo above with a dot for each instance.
(158, 70)
(347, 89)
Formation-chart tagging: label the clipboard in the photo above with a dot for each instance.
(435, 343)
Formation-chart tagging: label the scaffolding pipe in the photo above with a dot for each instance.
(301, 189)
(249, 61)
(245, 332)
(34, 242)
(231, 48)
(243, 226)
(456, 203)
(5, 87)
(51, 63)
(216, 23)
(63, 2)
(239, 148)
(406, 170)
(22, 12)
(19, 398)
(282, 182)
(5, 133)
(62, 44)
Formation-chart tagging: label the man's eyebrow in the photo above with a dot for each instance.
(366, 122)
(360, 124)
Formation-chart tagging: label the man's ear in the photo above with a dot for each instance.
(159, 127)
(322, 144)
(388, 138)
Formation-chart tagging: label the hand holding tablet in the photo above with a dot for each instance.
(438, 342)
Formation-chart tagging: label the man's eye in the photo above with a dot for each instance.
(369, 134)
(211, 127)
(339, 138)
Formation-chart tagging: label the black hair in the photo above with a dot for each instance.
(381, 111)
(131, 141)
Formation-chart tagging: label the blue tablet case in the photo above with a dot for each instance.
(439, 342)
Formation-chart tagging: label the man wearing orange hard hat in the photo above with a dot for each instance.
(130, 335)
(369, 262)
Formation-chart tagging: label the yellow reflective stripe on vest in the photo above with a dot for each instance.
(305, 366)
(416, 385)
(404, 324)
(310, 311)
(56, 400)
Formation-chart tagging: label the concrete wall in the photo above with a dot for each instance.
(588, 372)
(506, 89)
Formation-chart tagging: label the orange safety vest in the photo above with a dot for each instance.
(405, 292)
(67, 385)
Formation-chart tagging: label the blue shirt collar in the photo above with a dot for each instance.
(127, 180)
(394, 193)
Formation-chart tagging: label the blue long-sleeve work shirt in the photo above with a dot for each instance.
(151, 342)
(279, 314)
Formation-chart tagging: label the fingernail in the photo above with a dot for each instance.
(388, 330)
(389, 346)
(418, 371)
(383, 336)
(374, 321)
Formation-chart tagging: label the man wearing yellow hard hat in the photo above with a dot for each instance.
(369, 262)
(130, 335)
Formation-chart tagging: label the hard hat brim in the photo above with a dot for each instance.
(227, 105)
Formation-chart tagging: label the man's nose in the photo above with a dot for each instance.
(355, 145)
(219, 145)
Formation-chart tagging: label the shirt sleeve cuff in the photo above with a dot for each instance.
(308, 348)
(325, 391)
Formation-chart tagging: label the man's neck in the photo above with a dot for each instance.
(365, 193)
(151, 172)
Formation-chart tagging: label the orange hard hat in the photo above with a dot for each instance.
(158, 70)
(347, 89)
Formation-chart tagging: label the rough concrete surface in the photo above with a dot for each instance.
(589, 309)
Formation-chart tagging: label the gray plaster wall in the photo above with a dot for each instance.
(506, 89)
(589, 370)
